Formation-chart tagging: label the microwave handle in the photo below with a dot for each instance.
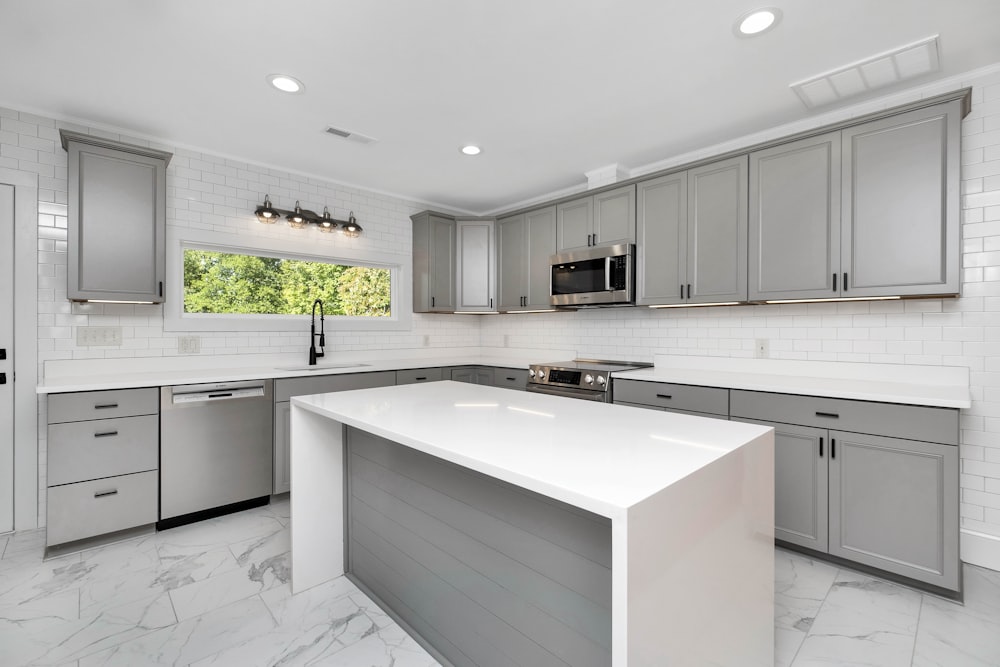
(607, 274)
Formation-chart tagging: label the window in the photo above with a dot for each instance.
(249, 284)
(220, 282)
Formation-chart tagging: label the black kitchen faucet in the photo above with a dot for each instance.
(313, 354)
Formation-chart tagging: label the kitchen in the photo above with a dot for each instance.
(945, 332)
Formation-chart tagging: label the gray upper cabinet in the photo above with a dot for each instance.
(601, 219)
(871, 210)
(900, 204)
(433, 263)
(525, 243)
(795, 219)
(476, 263)
(117, 220)
(692, 236)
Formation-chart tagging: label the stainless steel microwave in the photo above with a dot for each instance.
(600, 276)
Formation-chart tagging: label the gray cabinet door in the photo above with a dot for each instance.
(661, 234)
(795, 220)
(117, 224)
(282, 482)
(575, 224)
(800, 484)
(614, 216)
(476, 268)
(442, 266)
(541, 244)
(894, 506)
(717, 232)
(901, 204)
(511, 262)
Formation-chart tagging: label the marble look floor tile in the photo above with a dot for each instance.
(31, 583)
(800, 586)
(281, 509)
(952, 634)
(390, 647)
(25, 542)
(28, 630)
(261, 548)
(863, 621)
(3, 544)
(220, 532)
(191, 640)
(186, 567)
(277, 598)
(203, 596)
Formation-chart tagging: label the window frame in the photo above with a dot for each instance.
(175, 319)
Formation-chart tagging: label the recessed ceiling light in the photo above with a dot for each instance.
(285, 83)
(471, 150)
(757, 21)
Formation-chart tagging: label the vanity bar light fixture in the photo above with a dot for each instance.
(300, 218)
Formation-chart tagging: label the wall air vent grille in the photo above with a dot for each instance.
(878, 71)
(349, 135)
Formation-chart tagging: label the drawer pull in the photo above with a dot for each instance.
(666, 396)
(831, 415)
(511, 379)
(105, 406)
(421, 378)
(101, 494)
(106, 434)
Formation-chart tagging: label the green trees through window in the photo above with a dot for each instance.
(219, 282)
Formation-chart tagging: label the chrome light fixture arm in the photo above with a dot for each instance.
(300, 218)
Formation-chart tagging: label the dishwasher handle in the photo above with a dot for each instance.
(217, 395)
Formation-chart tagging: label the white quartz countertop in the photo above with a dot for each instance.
(600, 457)
(115, 376)
(936, 386)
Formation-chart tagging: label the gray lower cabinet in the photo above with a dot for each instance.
(692, 399)
(510, 378)
(433, 263)
(524, 244)
(416, 375)
(871, 210)
(116, 238)
(475, 279)
(602, 219)
(473, 375)
(692, 236)
(873, 483)
(286, 388)
(103, 460)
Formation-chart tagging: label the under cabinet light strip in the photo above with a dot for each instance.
(693, 305)
(844, 298)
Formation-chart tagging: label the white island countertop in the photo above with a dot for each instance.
(600, 457)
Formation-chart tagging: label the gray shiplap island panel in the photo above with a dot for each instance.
(454, 552)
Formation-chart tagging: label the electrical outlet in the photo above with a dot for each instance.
(506, 340)
(188, 344)
(762, 348)
(427, 340)
(98, 336)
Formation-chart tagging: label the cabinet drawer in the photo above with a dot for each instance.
(690, 398)
(511, 378)
(888, 419)
(86, 509)
(322, 384)
(79, 451)
(706, 415)
(81, 406)
(413, 375)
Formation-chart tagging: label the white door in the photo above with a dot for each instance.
(6, 358)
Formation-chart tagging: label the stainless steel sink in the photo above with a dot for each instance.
(320, 367)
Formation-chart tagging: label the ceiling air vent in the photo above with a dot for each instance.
(350, 136)
(878, 71)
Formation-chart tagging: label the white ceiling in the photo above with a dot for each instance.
(549, 88)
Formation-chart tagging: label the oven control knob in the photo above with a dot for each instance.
(589, 379)
(531, 373)
(541, 375)
(601, 380)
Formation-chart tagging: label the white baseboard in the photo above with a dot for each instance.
(980, 549)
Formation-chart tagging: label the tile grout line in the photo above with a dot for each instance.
(916, 631)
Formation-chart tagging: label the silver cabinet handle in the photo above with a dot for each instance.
(102, 494)
(607, 274)
(106, 434)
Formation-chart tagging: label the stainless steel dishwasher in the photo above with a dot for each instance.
(215, 449)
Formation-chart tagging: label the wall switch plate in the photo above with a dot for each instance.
(98, 336)
(762, 348)
(188, 344)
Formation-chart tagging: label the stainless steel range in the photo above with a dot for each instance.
(589, 379)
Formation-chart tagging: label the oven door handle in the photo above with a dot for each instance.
(607, 274)
(569, 392)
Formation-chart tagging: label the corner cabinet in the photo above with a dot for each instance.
(524, 244)
(692, 236)
(433, 263)
(476, 263)
(602, 219)
(117, 220)
(868, 211)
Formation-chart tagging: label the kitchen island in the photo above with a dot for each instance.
(513, 528)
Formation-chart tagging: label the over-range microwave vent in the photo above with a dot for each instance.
(878, 71)
(350, 135)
